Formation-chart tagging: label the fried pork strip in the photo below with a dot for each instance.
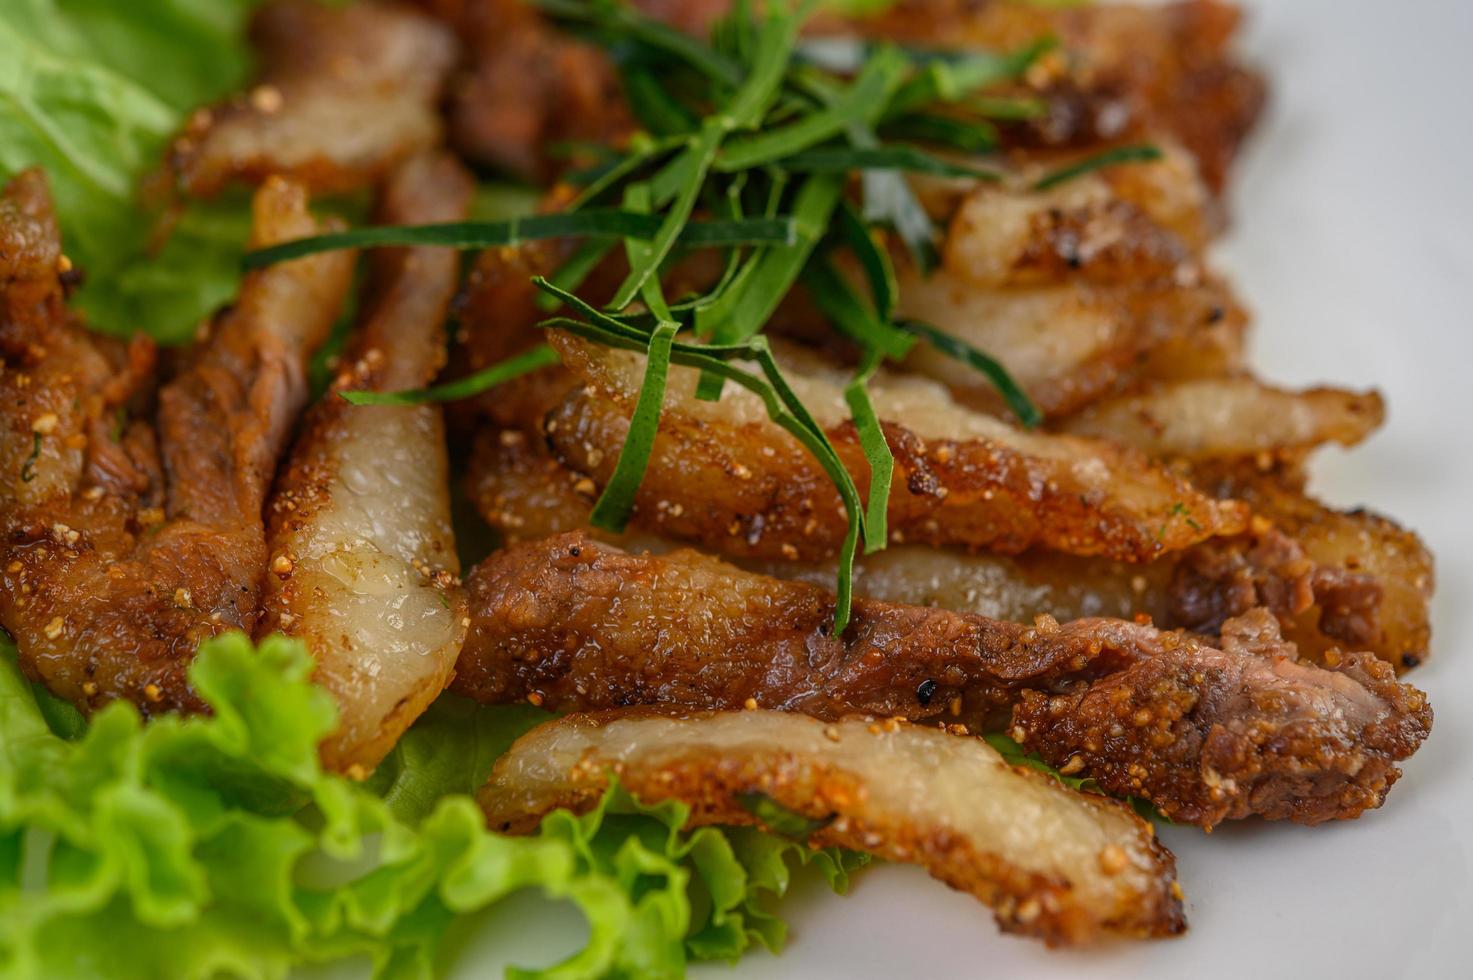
(722, 473)
(1072, 343)
(363, 560)
(1222, 418)
(1335, 580)
(1211, 733)
(1371, 580)
(1053, 864)
(128, 536)
(1149, 220)
(344, 93)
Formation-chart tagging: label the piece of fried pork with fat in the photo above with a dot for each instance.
(363, 562)
(130, 533)
(1205, 732)
(1054, 864)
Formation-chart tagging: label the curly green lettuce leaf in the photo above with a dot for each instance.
(196, 847)
(92, 90)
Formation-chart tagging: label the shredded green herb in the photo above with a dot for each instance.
(28, 468)
(749, 141)
(1108, 158)
(540, 356)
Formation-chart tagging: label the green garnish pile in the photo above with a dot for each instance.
(748, 144)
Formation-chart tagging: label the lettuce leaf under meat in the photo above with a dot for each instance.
(92, 90)
(216, 845)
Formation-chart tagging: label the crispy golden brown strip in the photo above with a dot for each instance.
(1054, 864)
(127, 540)
(344, 93)
(363, 556)
(1231, 417)
(722, 473)
(1213, 733)
(1369, 581)
(1335, 580)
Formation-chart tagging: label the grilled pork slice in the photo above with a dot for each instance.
(1359, 581)
(1149, 220)
(344, 94)
(724, 474)
(128, 535)
(1055, 864)
(1335, 580)
(1071, 343)
(1213, 732)
(1223, 418)
(362, 553)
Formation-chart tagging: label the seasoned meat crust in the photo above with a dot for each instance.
(363, 563)
(1335, 580)
(575, 624)
(724, 475)
(127, 533)
(344, 94)
(1127, 69)
(1080, 868)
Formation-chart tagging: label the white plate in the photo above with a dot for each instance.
(1354, 244)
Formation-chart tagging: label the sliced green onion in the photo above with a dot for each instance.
(873, 258)
(617, 500)
(911, 159)
(746, 307)
(1022, 406)
(951, 77)
(618, 20)
(538, 357)
(836, 300)
(1006, 107)
(876, 453)
(653, 105)
(1142, 153)
(611, 175)
(857, 103)
(966, 135)
(599, 223)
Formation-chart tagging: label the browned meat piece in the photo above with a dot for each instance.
(124, 539)
(363, 555)
(527, 87)
(1335, 580)
(1235, 732)
(1367, 583)
(575, 624)
(1142, 222)
(1073, 343)
(723, 474)
(1077, 869)
(1217, 418)
(1124, 69)
(344, 93)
